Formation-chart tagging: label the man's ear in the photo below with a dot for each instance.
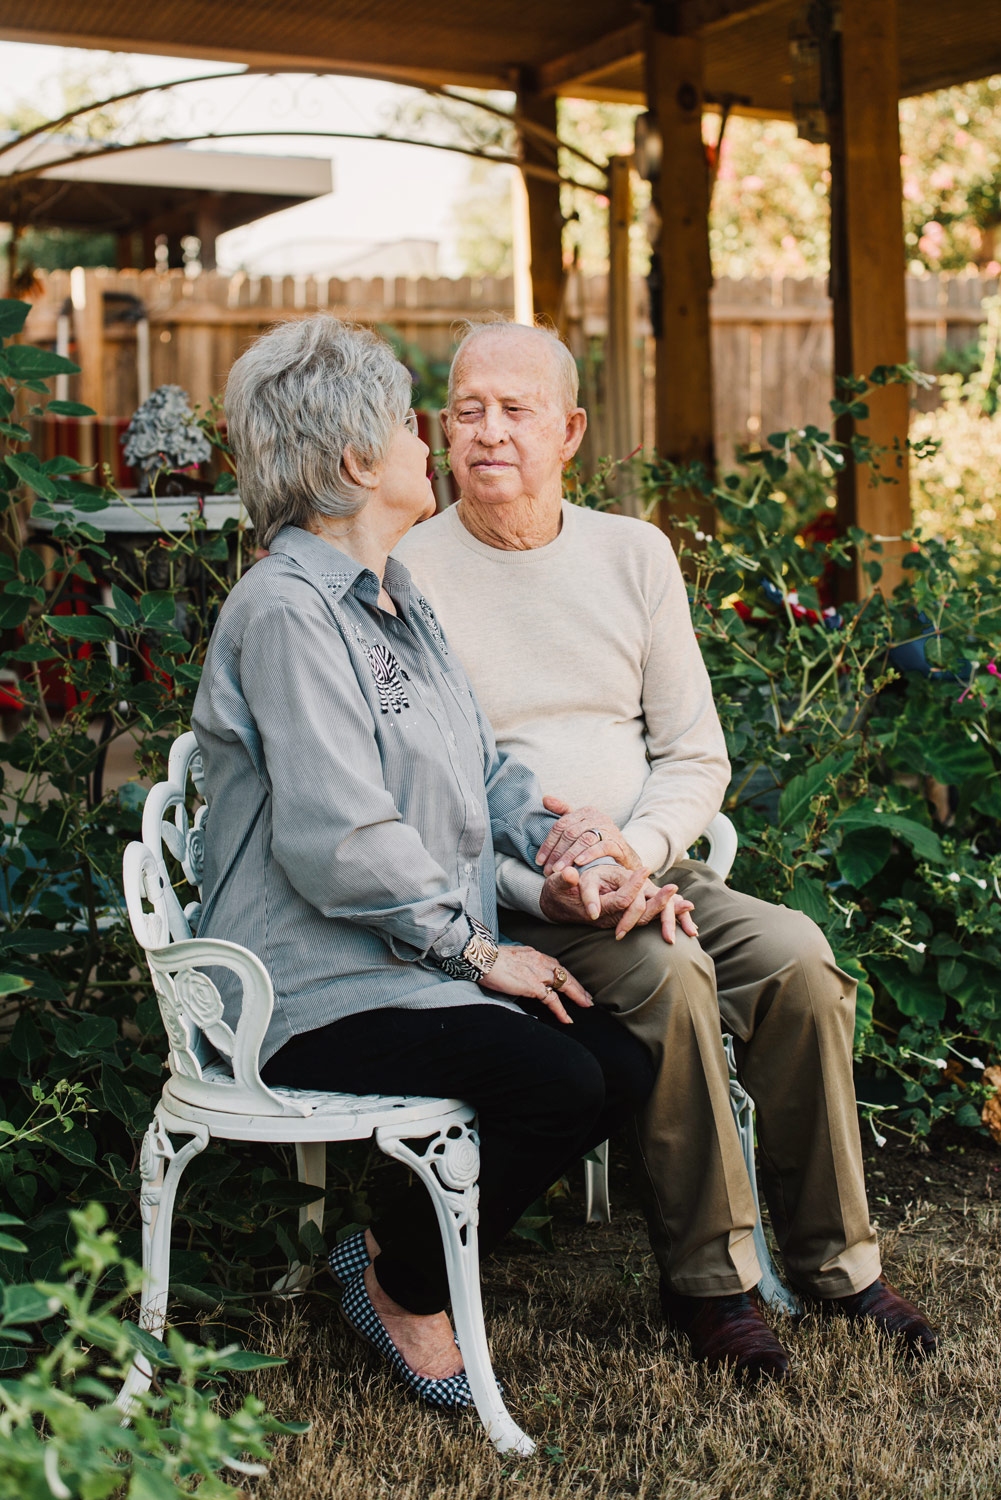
(357, 471)
(444, 419)
(575, 430)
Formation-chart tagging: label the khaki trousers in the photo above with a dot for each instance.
(768, 974)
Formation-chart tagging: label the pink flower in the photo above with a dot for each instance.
(992, 667)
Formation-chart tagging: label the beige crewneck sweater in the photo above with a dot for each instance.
(584, 659)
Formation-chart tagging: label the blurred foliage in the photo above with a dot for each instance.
(90, 664)
(61, 1434)
(865, 742)
(956, 489)
(770, 213)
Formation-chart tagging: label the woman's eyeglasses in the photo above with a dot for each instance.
(410, 422)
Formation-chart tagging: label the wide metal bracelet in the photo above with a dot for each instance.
(477, 957)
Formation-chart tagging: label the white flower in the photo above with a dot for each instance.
(976, 1063)
(879, 1139)
(982, 884)
(920, 948)
(954, 877)
(941, 1063)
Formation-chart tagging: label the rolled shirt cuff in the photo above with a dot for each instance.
(451, 942)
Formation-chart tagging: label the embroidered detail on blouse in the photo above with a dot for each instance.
(432, 622)
(336, 581)
(386, 671)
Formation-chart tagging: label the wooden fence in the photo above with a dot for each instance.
(772, 340)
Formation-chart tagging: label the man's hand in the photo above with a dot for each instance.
(580, 835)
(609, 896)
(519, 970)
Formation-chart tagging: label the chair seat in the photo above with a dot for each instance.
(331, 1117)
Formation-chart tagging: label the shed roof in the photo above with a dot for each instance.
(154, 184)
(577, 47)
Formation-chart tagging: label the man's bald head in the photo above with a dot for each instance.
(509, 336)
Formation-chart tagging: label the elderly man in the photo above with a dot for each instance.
(575, 630)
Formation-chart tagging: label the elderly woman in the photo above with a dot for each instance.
(357, 799)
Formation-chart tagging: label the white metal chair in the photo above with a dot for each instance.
(215, 1090)
(721, 837)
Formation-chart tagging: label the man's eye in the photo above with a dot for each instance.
(466, 413)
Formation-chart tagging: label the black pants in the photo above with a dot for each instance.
(544, 1093)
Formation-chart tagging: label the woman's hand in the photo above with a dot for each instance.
(525, 971)
(580, 835)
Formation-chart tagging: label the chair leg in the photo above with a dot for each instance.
(160, 1166)
(771, 1288)
(599, 1209)
(311, 1160)
(449, 1169)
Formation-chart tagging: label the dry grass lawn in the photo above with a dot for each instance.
(617, 1409)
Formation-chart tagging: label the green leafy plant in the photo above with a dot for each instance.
(865, 743)
(106, 640)
(61, 1435)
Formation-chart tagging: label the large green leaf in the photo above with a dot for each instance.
(807, 895)
(23, 1303)
(121, 1100)
(25, 362)
(922, 840)
(30, 565)
(12, 316)
(27, 469)
(158, 608)
(915, 995)
(14, 612)
(954, 758)
(863, 854)
(795, 798)
(69, 409)
(81, 627)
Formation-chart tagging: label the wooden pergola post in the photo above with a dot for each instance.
(868, 288)
(681, 275)
(620, 355)
(545, 217)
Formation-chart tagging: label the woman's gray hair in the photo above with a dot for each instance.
(295, 400)
(567, 378)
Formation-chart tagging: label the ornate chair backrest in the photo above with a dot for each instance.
(190, 1004)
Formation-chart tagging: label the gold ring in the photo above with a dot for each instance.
(559, 979)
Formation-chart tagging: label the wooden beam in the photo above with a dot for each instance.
(695, 16)
(264, 58)
(620, 363)
(87, 293)
(545, 217)
(680, 270)
(868, 285)
(609, 51)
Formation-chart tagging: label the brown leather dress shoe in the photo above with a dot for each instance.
(727, 1331)
(895, 1317)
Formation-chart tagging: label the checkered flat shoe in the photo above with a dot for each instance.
(450, 1394)
(348, 1257)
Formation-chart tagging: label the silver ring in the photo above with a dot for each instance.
(597, 834)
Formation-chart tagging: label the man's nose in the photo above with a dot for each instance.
(492, 426)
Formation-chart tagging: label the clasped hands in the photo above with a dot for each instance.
(619, 895)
